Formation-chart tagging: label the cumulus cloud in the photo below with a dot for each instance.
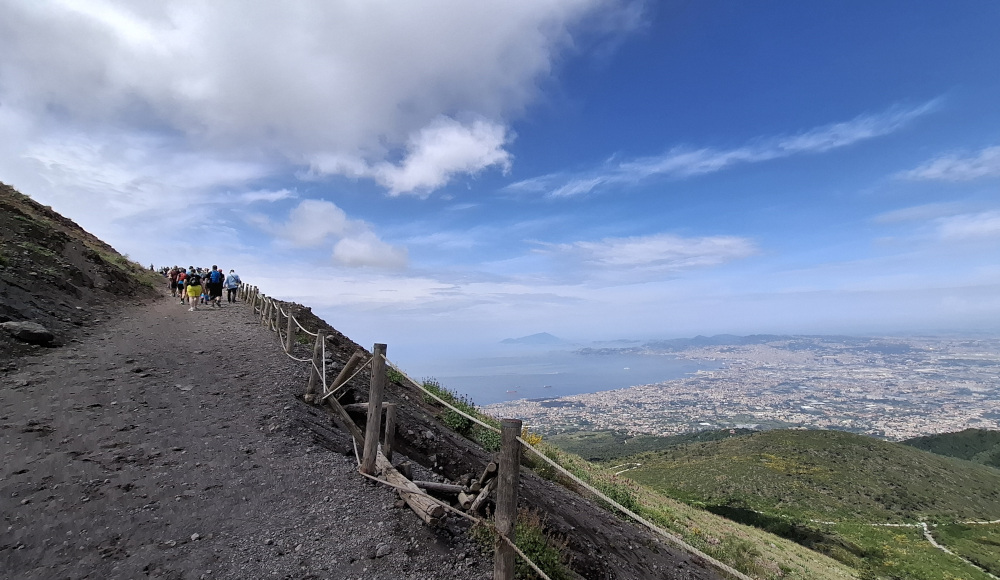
(313, 223)
(433, 155)
(366, 84)
(985, 163)
(686, 162)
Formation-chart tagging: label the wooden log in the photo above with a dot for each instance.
(314, 375)
(465, 500)
(289, 331)
(508, 475)
(389, 438)
(482, 497)
(440, 487)
(428, 510)
(356, 432)
(488, 472)
(475, 487)
(363, 407)
(406, 468)
(374, 424)
(347, 371)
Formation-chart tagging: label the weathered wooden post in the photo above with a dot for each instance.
(508, 476)
(390, 430)
(374, 424)
(289, 331)
(314, 375)
(277, 320)
(345, 372)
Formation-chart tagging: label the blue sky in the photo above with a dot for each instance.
(441, 173)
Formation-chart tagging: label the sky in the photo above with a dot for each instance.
(443, 174)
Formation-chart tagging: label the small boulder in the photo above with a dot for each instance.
(30, 332)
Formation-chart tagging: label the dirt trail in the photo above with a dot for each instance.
(164, 443)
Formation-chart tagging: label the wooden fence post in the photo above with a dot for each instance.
(508, 476)
(390, 430)
(277, 319)
(314, 375)
(289, 331)
(374, 424)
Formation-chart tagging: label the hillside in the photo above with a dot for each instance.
(825, 475)
(977, 445)
(855, 498)
(610, 446)
(54, 273)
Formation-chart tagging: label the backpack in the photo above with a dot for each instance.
(194, 280)
(215, 276)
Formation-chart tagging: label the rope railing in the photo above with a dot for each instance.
(680, 543)
(671, 538)
(330, 393)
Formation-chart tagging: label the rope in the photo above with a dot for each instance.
(303, 328)
(439, 399)
(469, 517)
(281, 341)
(670, 537)
(330, 394)
(651, 526)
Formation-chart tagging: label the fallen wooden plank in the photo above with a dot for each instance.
(421, 504)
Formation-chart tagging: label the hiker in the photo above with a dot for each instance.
(232, 284)
(215, 281)
(181, 282)
(172, 275)
(193, 284)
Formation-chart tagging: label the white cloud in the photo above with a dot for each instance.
(433, 155)
(970, 226)
(685, 162)
(654, 254)
(267, 195)
(365, 249)
(312, 223)
(985, 163)
(364, 83)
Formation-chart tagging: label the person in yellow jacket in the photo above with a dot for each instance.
(193, 288)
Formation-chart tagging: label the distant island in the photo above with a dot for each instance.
(541, 338)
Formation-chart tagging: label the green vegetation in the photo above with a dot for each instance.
(541, 547)
(978, 543)
(825, 489)
(459, 424)
(824, 475)
(605, 446)
(978, 445)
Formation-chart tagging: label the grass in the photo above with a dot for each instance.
(825, 475)
(540, 546)
(978, 445)
(977, 543)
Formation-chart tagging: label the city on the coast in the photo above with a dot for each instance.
(895, 388)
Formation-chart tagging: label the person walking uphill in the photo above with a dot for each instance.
(215, 281)
(193, 287)
(232, 284)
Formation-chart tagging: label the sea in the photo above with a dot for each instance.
(541, 373)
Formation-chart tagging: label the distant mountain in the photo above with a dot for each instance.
(542, 338)
(978, 445)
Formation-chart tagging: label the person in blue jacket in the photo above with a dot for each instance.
(232, 284)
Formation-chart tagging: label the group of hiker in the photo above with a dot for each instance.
(197, 286)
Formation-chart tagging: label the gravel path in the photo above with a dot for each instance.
(163, 443)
